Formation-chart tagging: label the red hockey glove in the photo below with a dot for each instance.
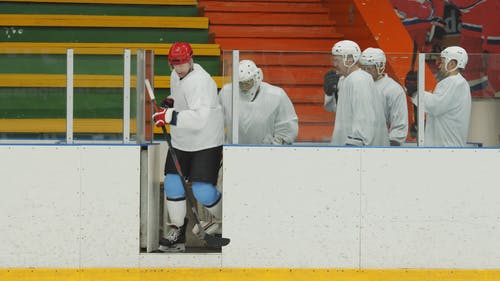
(165, 116)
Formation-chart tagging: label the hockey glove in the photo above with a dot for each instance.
(394, 143)
(330, 83)
(165, 116)
(411, 81)
(414, 129)
(167, 103)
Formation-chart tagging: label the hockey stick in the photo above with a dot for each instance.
(413, 127)
(414, 56)
(212, 241)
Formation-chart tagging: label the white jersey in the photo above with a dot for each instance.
(359, 118)
(448, 112)
(200, 119)
(395, 108)
(269, 116)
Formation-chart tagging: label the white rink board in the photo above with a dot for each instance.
(76, 206)
(418, 208)
(280, 211)
(431, 208)
(69, 206)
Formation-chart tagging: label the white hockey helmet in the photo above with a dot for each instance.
(454, 53)
(374, 56)
(346, 48)
(249, 73)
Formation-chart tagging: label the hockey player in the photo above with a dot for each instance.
(449, 107)
(359, 118)
(196, 125)
(396, 110)
(266, 114)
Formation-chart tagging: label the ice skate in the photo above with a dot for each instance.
(210, 227)
(175, 239)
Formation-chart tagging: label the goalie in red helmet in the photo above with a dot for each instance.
(196, 126)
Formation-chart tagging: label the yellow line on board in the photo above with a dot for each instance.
(245, 274)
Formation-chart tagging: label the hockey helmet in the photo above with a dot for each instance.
(454, 53)
(180, 53)
(374, 56)
(250, 77)
(346, 48)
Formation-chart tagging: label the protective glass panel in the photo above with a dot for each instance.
(283, 101)
(226, 81)
(301, 76)
(32, 99)
(458, 117)
(98, 97)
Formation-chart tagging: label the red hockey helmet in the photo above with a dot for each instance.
(180, 53)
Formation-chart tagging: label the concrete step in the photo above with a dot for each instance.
(285, 44)
(260, 6)
(223, 31)
(281, 19)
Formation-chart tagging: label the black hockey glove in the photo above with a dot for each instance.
(394, 143)
(330, 83)
(167, 103)
(414, 129)
(411, 81)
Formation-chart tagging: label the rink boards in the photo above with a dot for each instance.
(292, 213)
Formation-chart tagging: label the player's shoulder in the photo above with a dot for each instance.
(272, 90)
(226, 91)
(359, 76)
(199, 71)
(453, 80)
(392, 84)
(461, 81)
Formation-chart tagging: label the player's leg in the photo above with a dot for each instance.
(174, 237)
(205, 166)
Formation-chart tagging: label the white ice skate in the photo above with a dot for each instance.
(211, 227)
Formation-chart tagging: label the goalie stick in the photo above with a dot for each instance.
(212, 241)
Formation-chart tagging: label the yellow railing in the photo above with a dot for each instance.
(100, 48)
(117, 2)
(58, 125)
(103, 21)
(80, 81)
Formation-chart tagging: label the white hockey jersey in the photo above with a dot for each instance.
(395, 108)
(270, 117)
(359, 118)
(448, 113)
(200, 119)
